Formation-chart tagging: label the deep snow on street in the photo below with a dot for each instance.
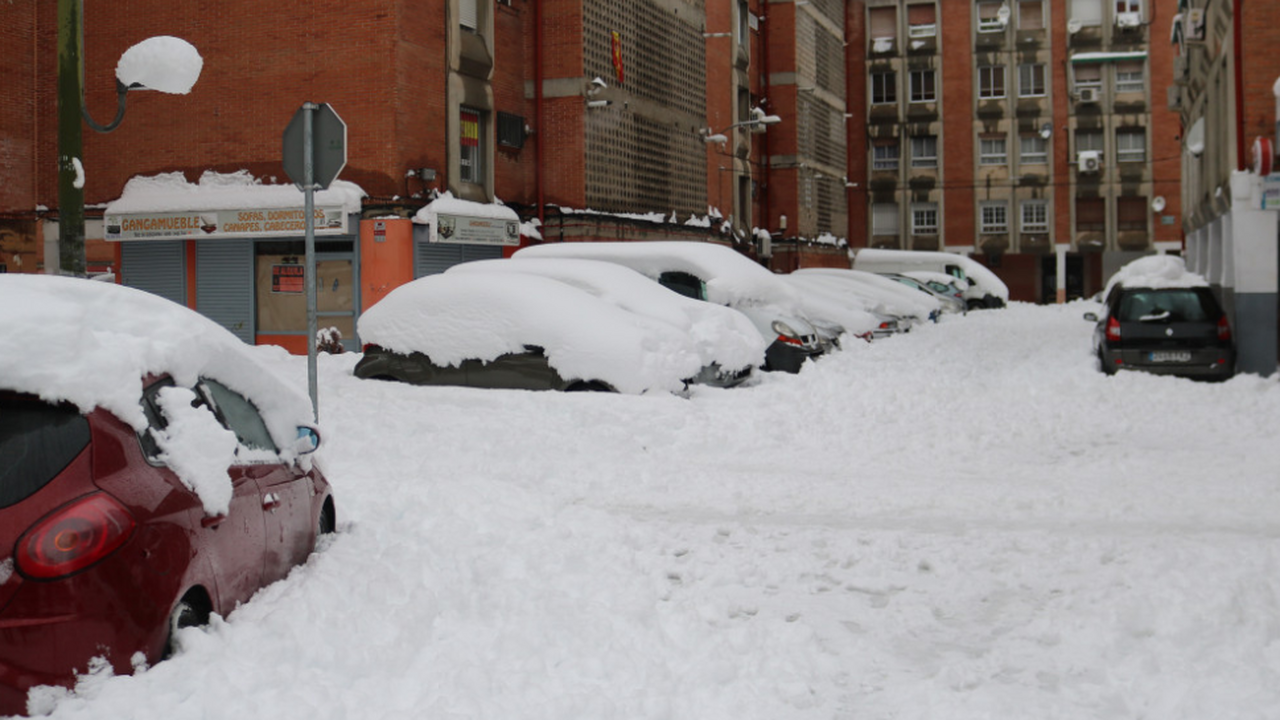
(967, 521)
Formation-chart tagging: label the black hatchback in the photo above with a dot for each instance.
(1166, 331)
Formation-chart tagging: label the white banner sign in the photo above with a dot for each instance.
(272, 222)
(463, 229)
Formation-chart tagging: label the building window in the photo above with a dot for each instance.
(883, 23)
(995, 217)
(1087, 75)
(1130, 77)
(885, 156)
(1035, 216)
(744, 24)
(1131, 214)
(1131, 145)
(924, 151)
(469, 14)
(1031, 15)
(924, 218)
(1033, 150)
(991, 81)
(884, 88)
(1088, 140)
(921, 21)
(471, 146)
(989, 19)
(993, 151)
(1091, 215)
(1128, 6)
(1031, 80)
(510, 130)
(923, 88)
(884, 219)
(1086, 12)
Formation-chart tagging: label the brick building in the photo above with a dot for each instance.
(786, 129)
(1033, 134)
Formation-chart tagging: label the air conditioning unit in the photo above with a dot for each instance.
(1089, 94)
(1090, 161)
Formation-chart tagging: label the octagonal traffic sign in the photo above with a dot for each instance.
(328, 141)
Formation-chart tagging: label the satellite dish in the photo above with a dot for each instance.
(1046, 131)
(1003, 15)
(1157, 203)
(1074, 25)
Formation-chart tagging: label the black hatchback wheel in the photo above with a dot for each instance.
(185, 614)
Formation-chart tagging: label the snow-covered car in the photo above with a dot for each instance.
(847, 314)
(520, 331)
(717, 274)
(879, 294)
(950, 302)
(1162, 319)
(726, 341)
(982, 288)
(153, 473)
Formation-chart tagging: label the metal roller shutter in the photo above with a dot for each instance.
(433, 258)
(224, 284)
(158, 267)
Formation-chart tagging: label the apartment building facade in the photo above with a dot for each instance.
(1029, 133)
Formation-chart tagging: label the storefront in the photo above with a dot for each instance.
(234, 250)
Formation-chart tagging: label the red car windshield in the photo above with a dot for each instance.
(37, 440)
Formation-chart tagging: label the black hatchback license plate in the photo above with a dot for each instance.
(1170, 356)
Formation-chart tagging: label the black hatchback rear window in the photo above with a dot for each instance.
(1168, 305)
(37, 440)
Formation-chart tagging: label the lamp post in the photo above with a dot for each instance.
(167, 64)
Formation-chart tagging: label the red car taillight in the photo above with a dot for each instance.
(1113, 329)
(1224, 329)
(790, 340)
(74, 537)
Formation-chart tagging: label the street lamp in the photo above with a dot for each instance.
(756, 123)
(167, 64)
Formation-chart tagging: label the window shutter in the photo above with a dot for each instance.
(469, 14)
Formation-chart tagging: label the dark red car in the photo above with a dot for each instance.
(105, 549)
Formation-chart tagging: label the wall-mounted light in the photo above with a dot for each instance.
(599, 103)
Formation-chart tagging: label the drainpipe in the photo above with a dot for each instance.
(1237, 59)
(538, 109)
(765, 164)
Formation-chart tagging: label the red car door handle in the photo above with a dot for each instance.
(212, 520)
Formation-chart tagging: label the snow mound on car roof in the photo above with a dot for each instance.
(459, 316)
(91, 344)
(1156, 271)
(722, 335)
(732, 278)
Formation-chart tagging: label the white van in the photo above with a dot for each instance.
(985, 289)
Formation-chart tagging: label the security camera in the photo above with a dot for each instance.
(599, 83)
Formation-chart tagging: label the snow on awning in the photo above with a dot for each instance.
(167, 207)
(453, 220)
(1102, 57)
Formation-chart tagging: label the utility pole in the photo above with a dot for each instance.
(70, 142)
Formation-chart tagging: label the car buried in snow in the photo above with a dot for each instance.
(531, 331)
(1159, 318)
(154, 474)
(712, 273)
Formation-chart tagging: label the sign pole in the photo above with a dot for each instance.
(308, 210)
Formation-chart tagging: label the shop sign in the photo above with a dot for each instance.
(1271, 192)
(269, 222)
(288, 279)
(466, 230)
